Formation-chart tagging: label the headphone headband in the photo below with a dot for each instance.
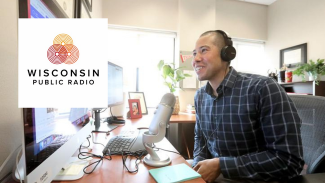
(228, 52)
(227, 39)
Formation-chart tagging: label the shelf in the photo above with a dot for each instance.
(308, 87)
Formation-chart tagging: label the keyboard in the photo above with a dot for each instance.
(126, 141)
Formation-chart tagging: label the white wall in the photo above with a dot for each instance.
(11, 117)
(292, 22)
(97, 9)
(155, 14)
(195, 17)
(241, 19)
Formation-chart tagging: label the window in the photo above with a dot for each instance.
(141, 50)
(250, 57)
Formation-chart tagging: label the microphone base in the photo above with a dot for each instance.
(164, 160)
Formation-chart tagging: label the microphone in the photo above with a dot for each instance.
(157, 131)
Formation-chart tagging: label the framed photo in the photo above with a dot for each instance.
(89, 4)
(140, 96)
(293, 56)
(68, 6)
(82, 10)
(135, 108)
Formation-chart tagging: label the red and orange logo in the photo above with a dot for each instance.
(63, 50)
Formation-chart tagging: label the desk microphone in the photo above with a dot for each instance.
(157, 131)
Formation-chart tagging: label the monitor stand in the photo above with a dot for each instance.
(101, 127)
(73, 171)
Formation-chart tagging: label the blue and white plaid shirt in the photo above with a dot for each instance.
(252, 126)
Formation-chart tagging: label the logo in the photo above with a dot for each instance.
(63, 50)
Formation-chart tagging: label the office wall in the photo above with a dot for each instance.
(11, 127)
(292, 22)
(10, 115)
(155, 14)
(195, 17)
(97, 9)
(241, 19)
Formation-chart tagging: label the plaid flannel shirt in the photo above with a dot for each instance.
(252, 126)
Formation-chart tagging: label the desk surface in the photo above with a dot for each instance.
(183, 118)
(113, 171)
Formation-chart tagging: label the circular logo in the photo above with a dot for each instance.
(63, 50)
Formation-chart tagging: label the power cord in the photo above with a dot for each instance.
(137, 154)
(86, 155)
(157, 149)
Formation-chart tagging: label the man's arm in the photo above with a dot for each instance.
(201, 151)
(280, 124)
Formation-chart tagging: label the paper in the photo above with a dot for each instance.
(175, 173)
(189, 82)
(72, 170)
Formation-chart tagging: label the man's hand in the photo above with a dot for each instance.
(209, 169)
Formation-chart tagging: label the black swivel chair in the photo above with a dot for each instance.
(311, 110)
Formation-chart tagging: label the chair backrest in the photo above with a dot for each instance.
(311, 110)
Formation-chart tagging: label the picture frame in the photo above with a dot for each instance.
(68, 6)
(293, 56)
(82, 10)
(89, 4)
(140, 96)
(135, 108)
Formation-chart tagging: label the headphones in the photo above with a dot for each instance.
(228, 52)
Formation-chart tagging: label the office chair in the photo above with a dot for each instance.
(311, 110)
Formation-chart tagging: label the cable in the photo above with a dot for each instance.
(93, 140)
(103, 110)
(88, 142)
(157, 149)
(137, 154)
(90, 155)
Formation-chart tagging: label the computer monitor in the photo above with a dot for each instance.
(115, 85)
(115, 92)
(41, 9)
(51, 137)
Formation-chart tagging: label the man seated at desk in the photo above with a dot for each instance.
(246, 125)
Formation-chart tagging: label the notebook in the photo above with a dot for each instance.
(175, 173)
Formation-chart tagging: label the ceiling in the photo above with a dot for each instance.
(264, 2)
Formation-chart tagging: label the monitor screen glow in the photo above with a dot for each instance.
(51, 137)
(115, 85)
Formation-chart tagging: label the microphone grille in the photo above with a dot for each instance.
(168, 99)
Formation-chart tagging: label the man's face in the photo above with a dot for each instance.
(206, 61)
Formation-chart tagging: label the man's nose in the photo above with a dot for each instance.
(196, 58)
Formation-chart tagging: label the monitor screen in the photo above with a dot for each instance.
(45, 9)
(39, 10)
(50, 133)
(115, 85)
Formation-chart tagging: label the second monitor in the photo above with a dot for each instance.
(115, 93)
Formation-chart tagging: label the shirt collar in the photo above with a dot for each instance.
(228, 81)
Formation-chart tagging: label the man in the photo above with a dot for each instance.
(246, 125)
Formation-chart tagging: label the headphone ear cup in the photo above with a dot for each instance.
(228, 53)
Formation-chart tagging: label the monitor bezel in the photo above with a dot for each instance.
(50, 167)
